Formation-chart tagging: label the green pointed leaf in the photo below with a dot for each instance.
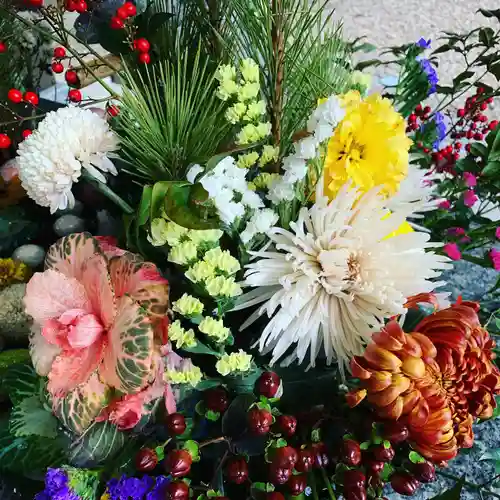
(30, 418)
(492, 169)
(20, 381)
(160, 453)
(143, 213)
(478, 149)
(158, 196)
(487, 36)
(99, 444)
(364, 445)
(193, 448)
(491, 455)
(454, 493)
(213, 416)
(415, 457)
(201, 348)
(490, 13)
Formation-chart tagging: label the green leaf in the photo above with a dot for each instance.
(478, 149)
(281, 443)
(415, 457)
(157, 21)
(492, 169)
(211, 415)
(462, 76)
(453, 493)
(158, 197)
(491, 455)
(100, 443)
(495, 70)
(366, 64)
(144, 206)
(486, 36)
(113, 41)
(443, 48)
(490, 13)
(20, 381)
(266, 487)
(160, 453)
(364, 445)
(13, 357)
(365, 47)
(386, 472)
(193, 448)
(30, 418)
(201, 348)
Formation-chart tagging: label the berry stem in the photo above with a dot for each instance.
(312, 481)
(104, 189)
(328, 484)
(213, 441)
(468, 484)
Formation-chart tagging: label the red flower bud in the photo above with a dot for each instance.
(425, 472)
(178, 463)
(176, 424)
(177, 490)
(268, 384)
(259, 421)
(146, 460)
(297, 484)
(237, 471)
(287, 424)
(279, 475)
(216, 399)
(285, 457)
(305, 461)
(404, 484)
(351, 452)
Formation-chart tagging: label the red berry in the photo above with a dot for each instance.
(146, 460)
(57, 67)
(177, 490)
(374, 466)
(354, 478)
(122, 13)
(287, 424)
(456, 156)
(483, 118)
(427, 150)
(5, 141)
(297, 484)
(279, 475)
(492, 125)
(268, 384)
(355, 494)
(15, 96)
(71, 5)
(425, 472)
(412, 118)
(74, 95)
(480, 90)
(380, 452)
(404, 484)
(483, 106)
(489, 100)
(176, 424)
(216, 399)
(420, 144)
(35, 3)
(427, 110)
(305, 461)
(27, 133)
(418, 108)
(286, 457)
(458, 145)
(144, 58)
(178, 463)
(473, 100)
(237, 471)
(3, 48)
(468, 148)
(116, 23)
(142, 45)
(113, 110)
(478, 136)
(81, 6)
(275, 495)
(259, 421)
(59, 52)
(71, 77)
(469, 134)
(320, 454)
(130, 9)
(461, 113)
(396, 432)
(31, 98)
(351, 452)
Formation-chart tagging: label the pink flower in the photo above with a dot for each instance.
(470, 179)
(108, 244)
(470, 198)
(97, 325)
(456, 231)
(497, 233)
(452, 251)
(495, 258)
(444, 205)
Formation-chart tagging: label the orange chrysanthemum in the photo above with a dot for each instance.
(436, 380)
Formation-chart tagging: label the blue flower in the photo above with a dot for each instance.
(424, 44)
(159, 492)
(132, 488)
(430, 73)
(55, 479)
(441, 129)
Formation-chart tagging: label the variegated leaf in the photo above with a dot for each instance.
(142, 281)
(128, 356)
(82, 405)
(68, 254)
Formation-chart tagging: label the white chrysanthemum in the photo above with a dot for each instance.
(51, 159)
(333, 279)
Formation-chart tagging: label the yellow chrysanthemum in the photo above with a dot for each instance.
(368, 148)
(12, 271)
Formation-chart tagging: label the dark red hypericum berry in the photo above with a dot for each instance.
(31, 98)
(3, 48)
(355, 493)
(113, 110)
(351, 452)
(176, 424)
(216, 399)
(177, 490)
(74, 95)
(404, 484)
(116, 23)
(380, 452)
(130, 8)
(285, 457)
(320, 454)
(59, 52)
(178, 463)
(15, 96)
(146, 460)
(279, 475)
(297, 484)
(57, 67)
(425, 472)
(483, 106)
(478, 136)
(354, 478)
(144, 58)
(142, 45)
(275, 495)
(412, 118)
(5, 141)
(287, 424)
(305, 461)
(259, 421)
(458, 146)
(71, 77)
(461, 113)
(268, 384)
(375, 466)
(237, 470)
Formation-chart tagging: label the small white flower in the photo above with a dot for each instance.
(260, 222)
(193, 172)
(252, 200)
(281, 190)
(306, 148)
(295, 168)
(230, 211)
(328, 114)
(51, 159)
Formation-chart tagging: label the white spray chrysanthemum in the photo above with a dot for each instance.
(336, 275)
(52, 158)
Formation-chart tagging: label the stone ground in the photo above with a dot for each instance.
(394, 22)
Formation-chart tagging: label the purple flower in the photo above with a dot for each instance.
(430, 73)
(43, 495)
(440, 129)
(55, 479)
(127, 488)
(136, 488)
(424, 44)
(158, 492)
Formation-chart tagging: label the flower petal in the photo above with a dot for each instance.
(382, 358)
(42, 352)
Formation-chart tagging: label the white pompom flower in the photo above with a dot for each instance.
(52, 158)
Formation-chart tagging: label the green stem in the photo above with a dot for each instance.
(467, 484)
(109, 193)
(328, 484)
(312, 481)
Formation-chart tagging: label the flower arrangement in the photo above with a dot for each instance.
(271, 324)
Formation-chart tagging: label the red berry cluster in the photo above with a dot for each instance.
(59, 55)
(142, 46)
(79, 6)
(3, 47)
(123, 14)
(17, 97)
(418, 118)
